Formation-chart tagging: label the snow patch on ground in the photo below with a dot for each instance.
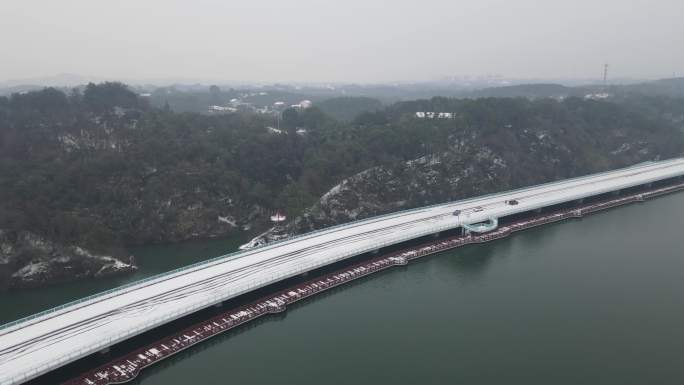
(31, 270)
(227, 220)
(624, 147)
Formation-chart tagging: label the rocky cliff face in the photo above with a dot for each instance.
(28, 260)
(420, 182)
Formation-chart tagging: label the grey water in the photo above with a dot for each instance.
(593, 301)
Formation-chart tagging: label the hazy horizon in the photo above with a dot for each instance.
(356, 41)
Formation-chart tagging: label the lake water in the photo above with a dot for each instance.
(593, 301)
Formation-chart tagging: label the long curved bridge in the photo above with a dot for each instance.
(35, 345)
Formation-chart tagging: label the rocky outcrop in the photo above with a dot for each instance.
(28, 260)
(273, 234)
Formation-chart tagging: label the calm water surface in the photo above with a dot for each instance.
(592, 301)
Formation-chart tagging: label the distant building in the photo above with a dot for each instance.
(264, 110)
(435, 115)
(221, 109)
(303, 105)
(598, 96)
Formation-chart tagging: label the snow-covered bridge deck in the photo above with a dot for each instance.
(48, 340)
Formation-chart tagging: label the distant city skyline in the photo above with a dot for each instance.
(360, 41)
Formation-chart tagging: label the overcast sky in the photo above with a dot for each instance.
(350, 40)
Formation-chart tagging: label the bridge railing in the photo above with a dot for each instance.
(243, 253)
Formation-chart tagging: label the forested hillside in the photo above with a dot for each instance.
(103, 168)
